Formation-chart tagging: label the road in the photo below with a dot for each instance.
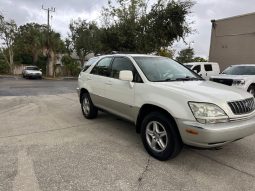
(34, 87)
(47, 145)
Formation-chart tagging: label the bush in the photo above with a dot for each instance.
(4, 68)
(71, 65)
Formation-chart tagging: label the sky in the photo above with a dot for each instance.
(23, 11)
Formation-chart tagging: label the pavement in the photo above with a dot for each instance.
(47, 145)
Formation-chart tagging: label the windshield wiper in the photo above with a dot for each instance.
(188, 78)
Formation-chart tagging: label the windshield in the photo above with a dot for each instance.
(32, 68)
(160, 69)
(240, 70)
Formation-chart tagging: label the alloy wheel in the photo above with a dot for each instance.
(156, 136)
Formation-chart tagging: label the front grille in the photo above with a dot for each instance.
(223, 81)
(242, 106)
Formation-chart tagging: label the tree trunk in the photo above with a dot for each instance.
(35, 57)
(11, 63)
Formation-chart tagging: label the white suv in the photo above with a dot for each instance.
(241, 76)
(169, 104)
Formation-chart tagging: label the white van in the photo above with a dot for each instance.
(204, 69)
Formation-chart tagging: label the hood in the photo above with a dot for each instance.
(203, 91)
(234, 77)
(33, 71)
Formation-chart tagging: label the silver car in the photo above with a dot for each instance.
(31, 72)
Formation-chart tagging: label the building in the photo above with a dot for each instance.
(233, 40)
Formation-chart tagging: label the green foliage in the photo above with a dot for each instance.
(8, 30)
(71, 65)
(199, 59)
(166, 52)
(187, 55)
(129, 26)
(4, 67)
(85, 38)
(30, 39)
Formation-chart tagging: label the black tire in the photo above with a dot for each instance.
(251, 90)
(92, 110)
(174, 144)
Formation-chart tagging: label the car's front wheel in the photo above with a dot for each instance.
(160, 137)
(88, 109)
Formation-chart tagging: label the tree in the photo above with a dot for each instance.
(185, 55)
(31, 39)
(199, 59)
(71, 65)
(8, 31)
(129, 26)
(55, 46)
(84, 37)
(166, 52)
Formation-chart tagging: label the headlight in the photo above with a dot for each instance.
(208, 113)
(238, 82)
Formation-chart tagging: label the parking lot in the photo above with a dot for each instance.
(46, 144)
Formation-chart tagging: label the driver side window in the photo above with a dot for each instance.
(102, 67)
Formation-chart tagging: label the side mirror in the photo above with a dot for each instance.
(126, 75)
(40, 69)
(195, 71)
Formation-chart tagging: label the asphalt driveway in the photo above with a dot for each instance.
(46, 145)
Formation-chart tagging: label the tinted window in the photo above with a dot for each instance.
(197, 68)
(102, 67)
(159, 69)
(208, 67)
(31, 68)
(240, 70)
(122, 63)
(89, 63)
(188, 66)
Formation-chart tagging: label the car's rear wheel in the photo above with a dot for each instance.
(160, 137)
(88, 109)
(251, 90)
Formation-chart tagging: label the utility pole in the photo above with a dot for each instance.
(52, 9)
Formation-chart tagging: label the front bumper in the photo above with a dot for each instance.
(33, 75)
(214, 135)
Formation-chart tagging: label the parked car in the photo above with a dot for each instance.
(31, 72)
(204, 69)
(169, 104)
(240, 76)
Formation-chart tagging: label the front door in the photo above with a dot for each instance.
(119, 93)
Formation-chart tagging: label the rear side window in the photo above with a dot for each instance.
(197, 68)
(208, 67)
(102, 67)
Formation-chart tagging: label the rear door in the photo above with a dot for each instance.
(96, 80)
